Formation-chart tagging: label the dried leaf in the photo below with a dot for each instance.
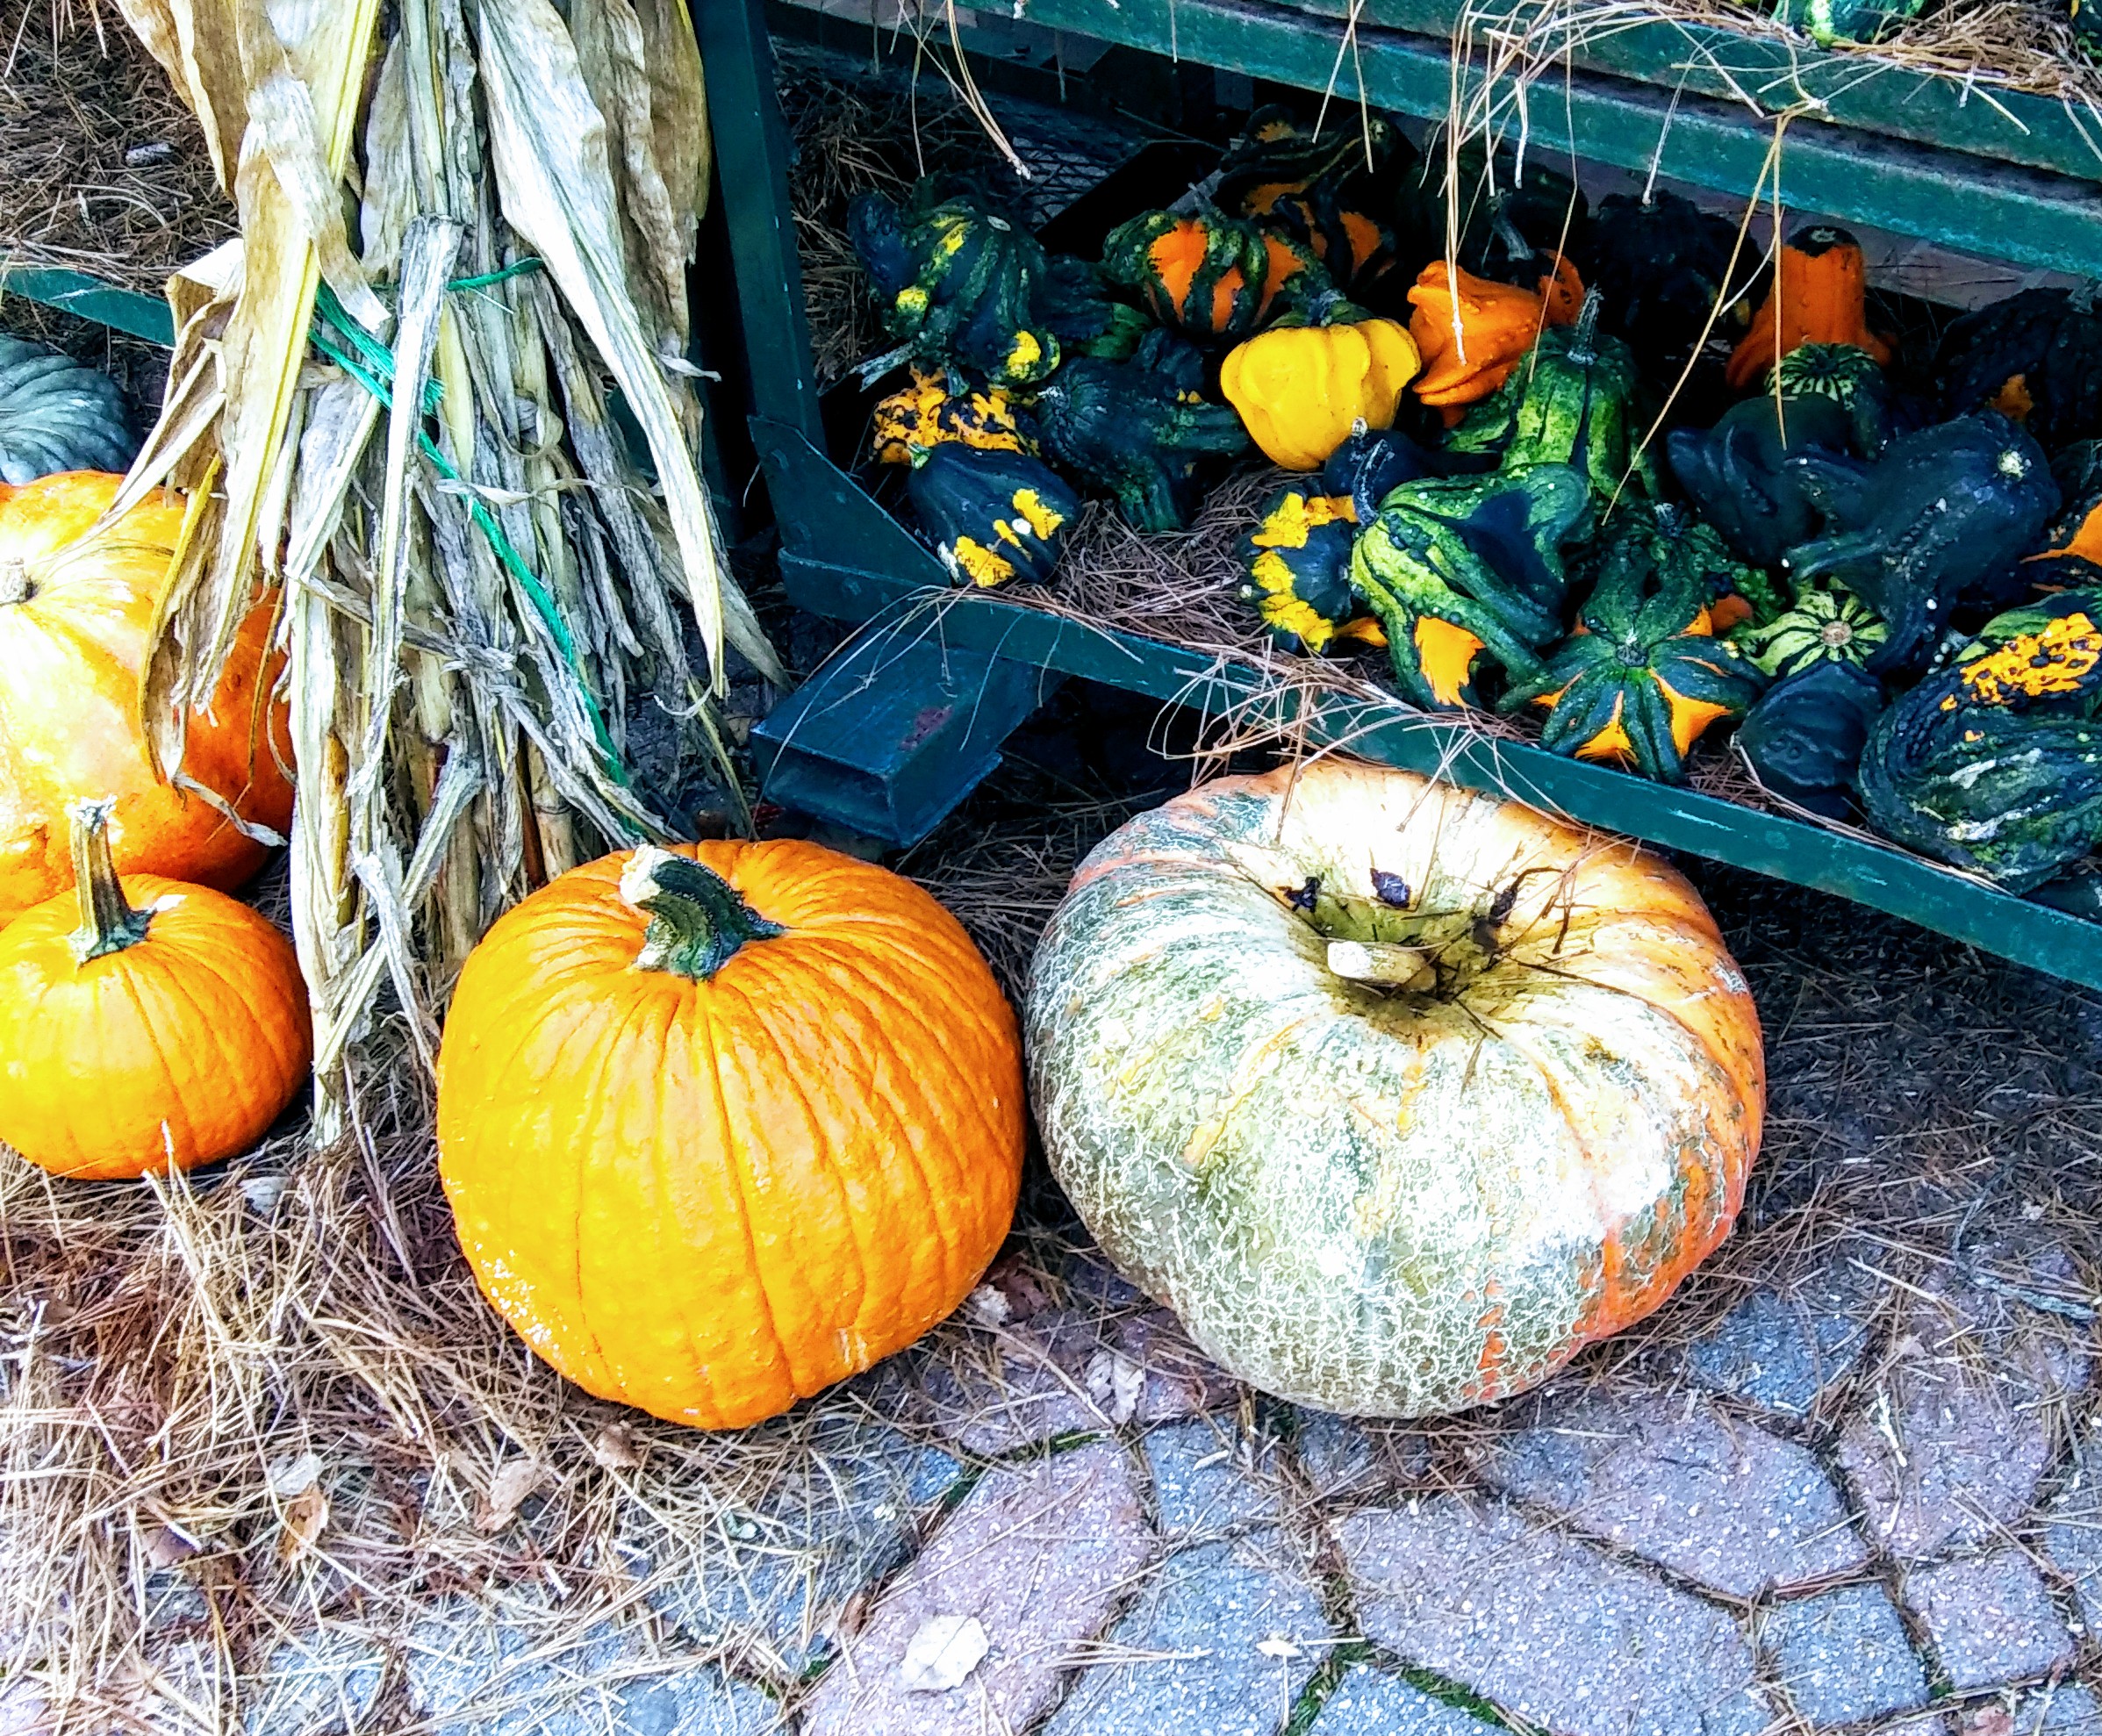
(305, 1518)
(509, 1489)
(166, 1546)
(549, 149)
(289, 1477)
(943, 1653)
(987, 1305)
(1115, 1382)
(615, 1448)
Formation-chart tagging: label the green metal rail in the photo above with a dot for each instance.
(2024, 186)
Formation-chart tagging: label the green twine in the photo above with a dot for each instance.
(372, 367)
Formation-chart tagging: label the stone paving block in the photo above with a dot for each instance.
(1784, 1353)
(1345, 1458)
(1989, 1620)
(1040, 1554)
(787, 1572)
(1719, 1501)
(492, 1677)
(1953, 1445)
(1199, 1621)
(1069, 1371)
(1843, 1657)
(1543, 1625)
(2072, 1539)
(1201, 1485)
(1369, 1703)
(323, 1681)
(2067, 1710)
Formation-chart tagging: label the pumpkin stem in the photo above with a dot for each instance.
(1583, 347)
(14, 583)
(107, 923)
(1382, 964)
(697, 922)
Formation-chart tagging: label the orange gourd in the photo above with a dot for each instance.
(144, 1025)
(1819, 296)
(723, 1126)
(76, 609)
(1497, 324)
(1562, 292)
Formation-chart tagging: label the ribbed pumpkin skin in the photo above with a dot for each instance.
(70, 657)
(711, 1199)
(1390, 1204)
(177, 1051)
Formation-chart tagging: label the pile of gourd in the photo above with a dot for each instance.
(1580, 468)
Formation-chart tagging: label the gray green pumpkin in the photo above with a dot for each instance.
(1371, 1196)
(56, 415)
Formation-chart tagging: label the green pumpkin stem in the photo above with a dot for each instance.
(1584, 339)
(697, 922)
(107, 923)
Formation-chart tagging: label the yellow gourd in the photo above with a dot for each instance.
(1301, 387)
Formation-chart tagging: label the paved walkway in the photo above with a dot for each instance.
(1844, 1481)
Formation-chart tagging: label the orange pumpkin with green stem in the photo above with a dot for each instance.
(1819, 296)
(144, 1025)
(723, 1126)
(76, 613)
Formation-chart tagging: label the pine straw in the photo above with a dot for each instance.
(170, 1351)
(2017, 45)
(102, 169)
(167, 1353)
(79, 96)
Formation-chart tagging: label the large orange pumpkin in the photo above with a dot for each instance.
(1398, 1094)
(75, 614)
(723, 1126)
(144, 1025)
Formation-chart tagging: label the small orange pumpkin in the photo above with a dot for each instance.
(1497, 324)
(723, 1126)
(76, 611)
(1819, 295)
(144, 1025)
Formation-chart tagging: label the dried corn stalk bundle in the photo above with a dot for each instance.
(389, 401)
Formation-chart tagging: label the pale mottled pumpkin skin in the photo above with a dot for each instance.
(1391, 1204)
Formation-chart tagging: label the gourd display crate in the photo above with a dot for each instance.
(2016, 178)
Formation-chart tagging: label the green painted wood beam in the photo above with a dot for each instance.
(1845, 87)
(1999, 211)
(87, 297)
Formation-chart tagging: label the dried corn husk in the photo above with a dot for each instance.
(401, 420)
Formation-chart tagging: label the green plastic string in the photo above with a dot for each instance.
(372, 367)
